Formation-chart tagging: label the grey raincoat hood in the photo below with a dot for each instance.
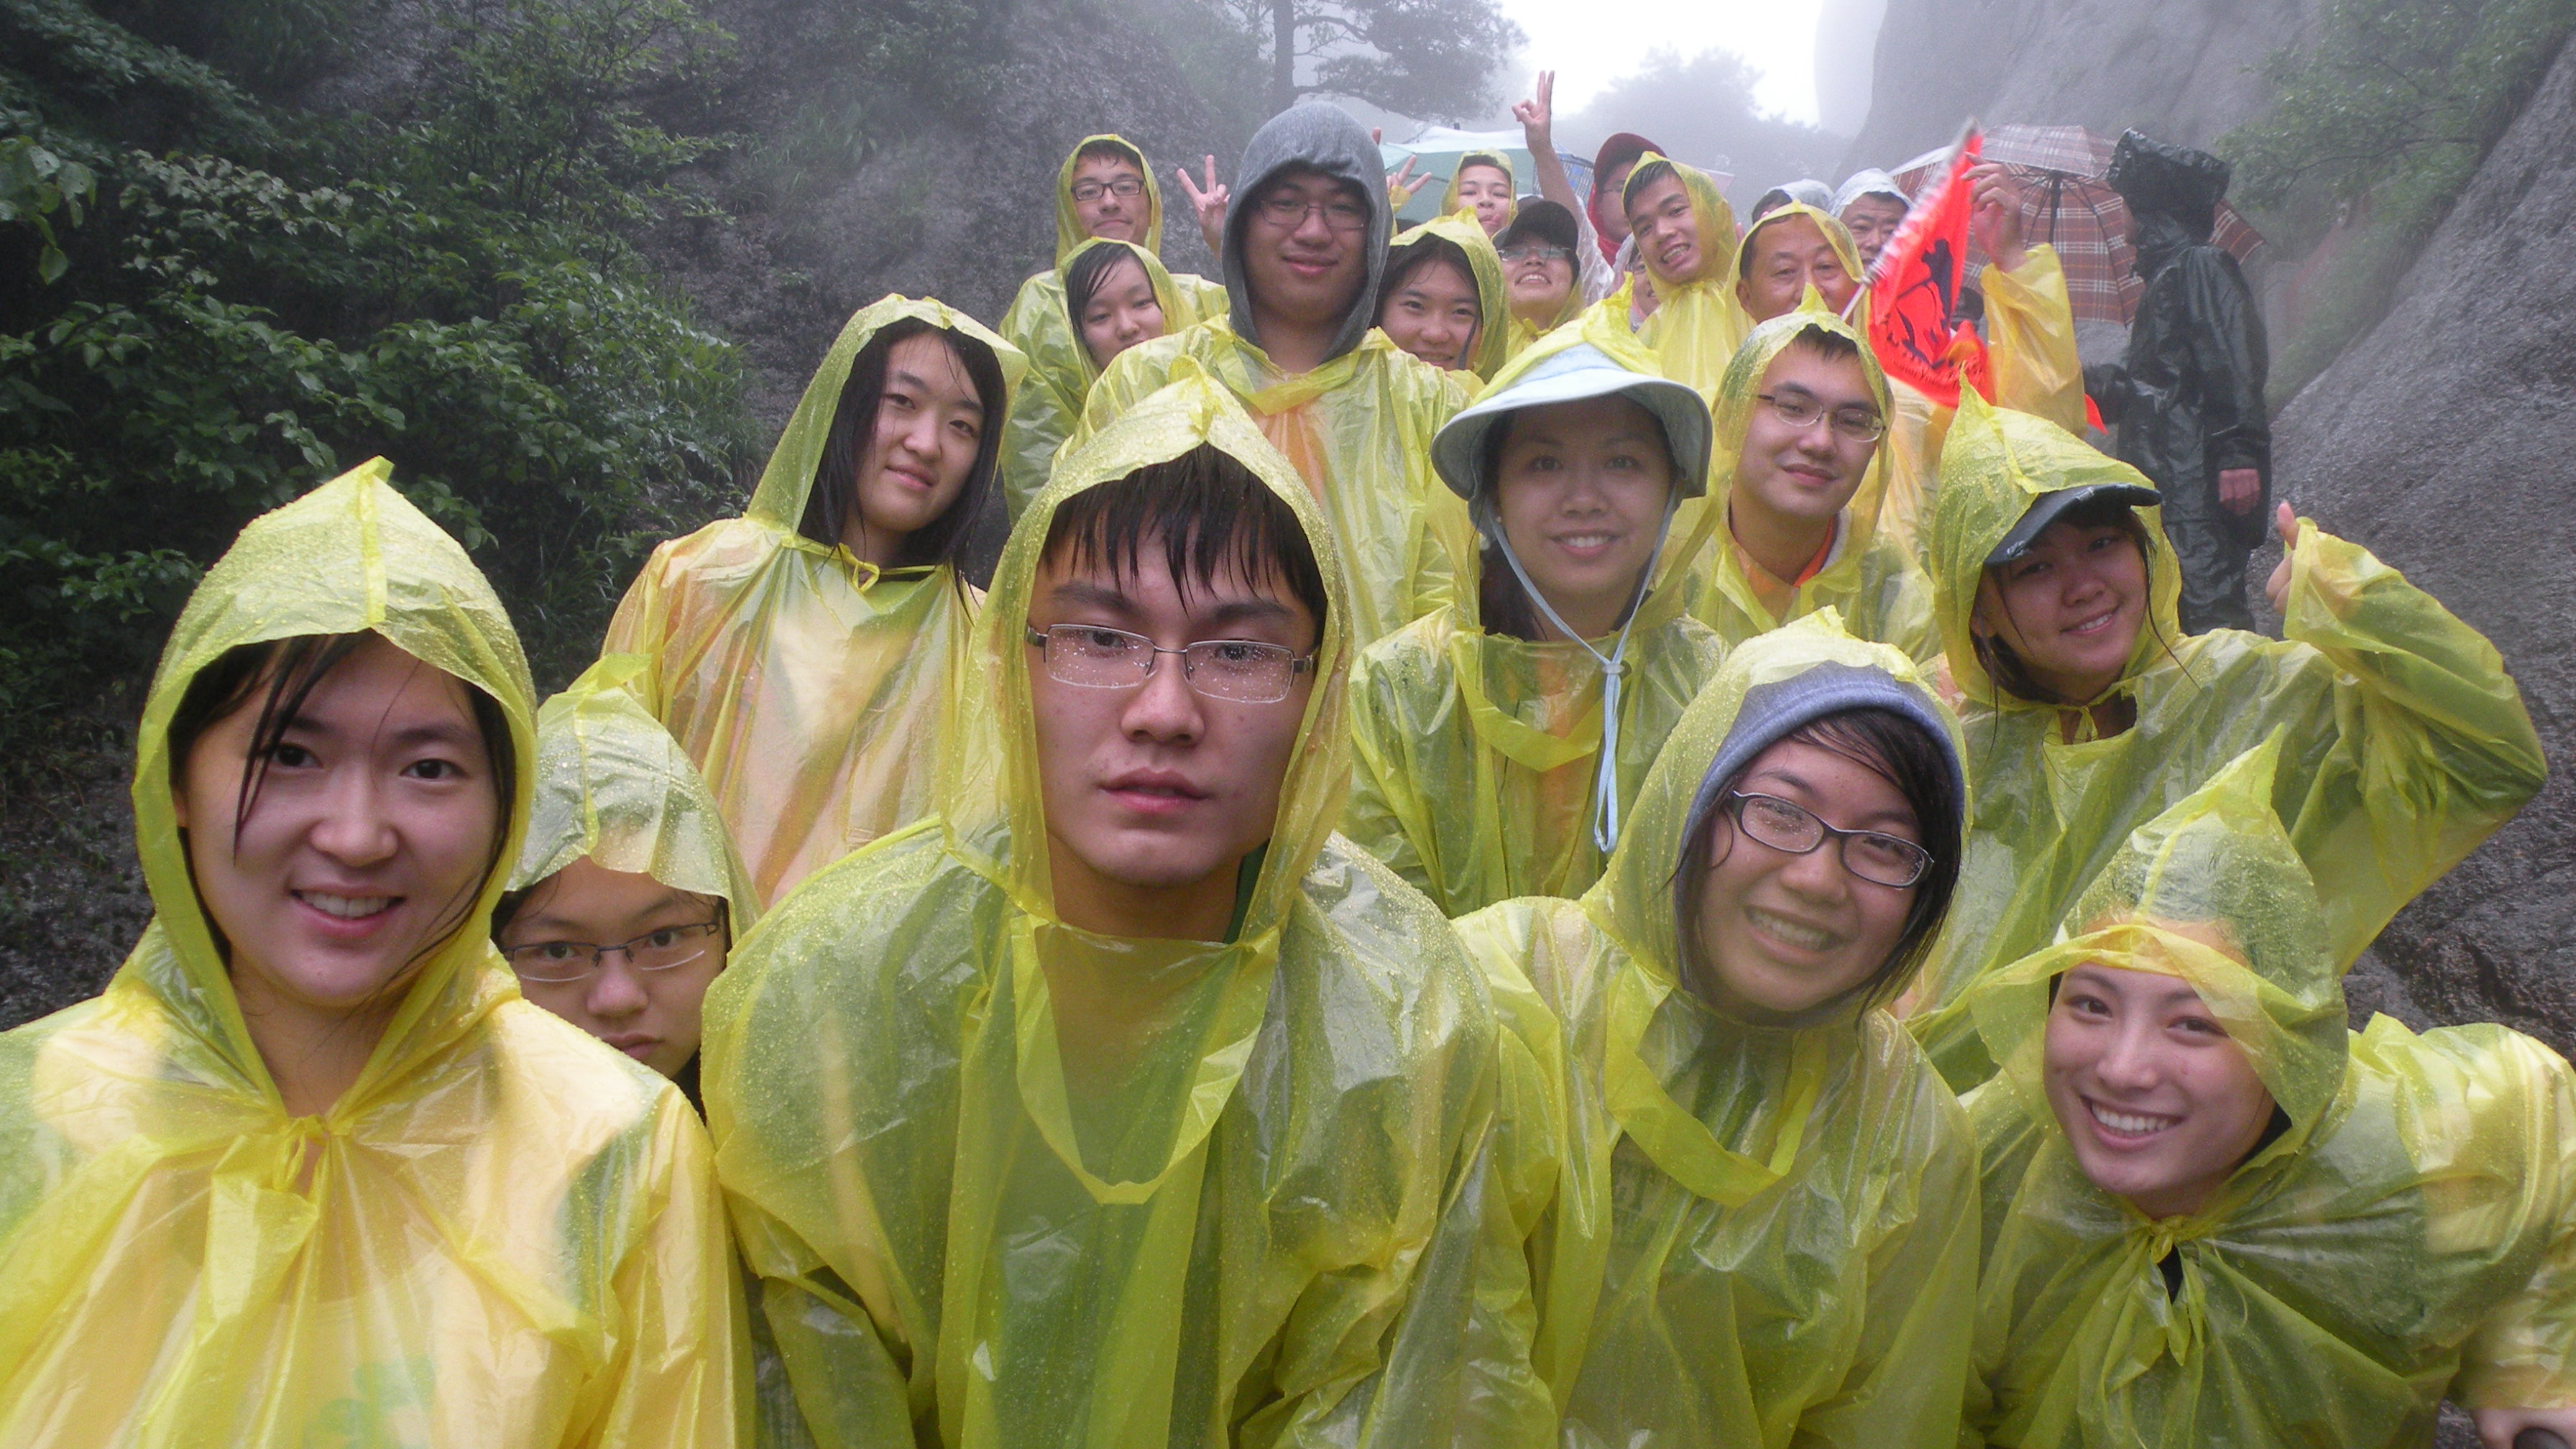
(1326, 139)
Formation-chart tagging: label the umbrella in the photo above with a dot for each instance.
(2066, 203)
(1435, 152)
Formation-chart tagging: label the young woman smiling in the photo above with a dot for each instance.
(2088, 711)
(802, 652)
(310, 1166)
(1443, 299)
(2217, 1216)
(1765, 1229)
(1494, 743)
(1114, 295)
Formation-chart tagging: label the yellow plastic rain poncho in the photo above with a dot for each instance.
(802, 680)
(1044, 407)
(2411, 1234)
(614, 786)
(1358, 429)
(1870, 580)
(1451, 202)
(1493, 344)
(2030, 354)
(1240, 1195)
(2405, 743)
(1764, 1236)
(1477, 755)
(506, 1233)
(1049, 400)
(1697, 325)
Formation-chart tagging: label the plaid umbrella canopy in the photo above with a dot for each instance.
(2066, 203)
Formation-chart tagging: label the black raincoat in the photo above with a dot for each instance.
(2188, 398)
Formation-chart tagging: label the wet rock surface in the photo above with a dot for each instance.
(2445, 441)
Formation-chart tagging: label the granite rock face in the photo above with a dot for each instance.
(2445, 441)
(2181, 70)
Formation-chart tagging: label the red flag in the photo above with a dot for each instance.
(1914, 291)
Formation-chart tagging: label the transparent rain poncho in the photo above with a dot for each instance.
(2410, 1235)
(1493, 341)
(1048, 402)
(1697, 325)
(1870, 580)
(614, 786)
(1242, 1193)
(1358, 429)
(1762, 1236)
(507, 1234)
(1451, 202)
(1045, 405)
(801, 679)
(1478, 755)
(2405, 743)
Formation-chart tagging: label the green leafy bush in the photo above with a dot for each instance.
(190, 336)
(2378, 127)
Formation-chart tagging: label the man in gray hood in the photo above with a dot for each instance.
(1305, 248)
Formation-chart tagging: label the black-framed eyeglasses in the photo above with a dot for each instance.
(1243, 671)
(1859, 424)
(1125, 188)
(1288, 211)
(656, 950)
(1793, 829)
(1520, 252)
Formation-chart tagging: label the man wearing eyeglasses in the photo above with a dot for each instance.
(1105, 189)
(1125, 1102)
(1802, 413)
(1304, 251)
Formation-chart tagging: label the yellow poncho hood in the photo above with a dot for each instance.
(1493, 300)
(2218, 857)
(1881, 595)
(1011, 1182)
(1697, 324)
(2403, 1237)
(1783, 1247)
(1482, 763)
(1994, 465)
(1069, 235)
(801, 679)
(614, 786)
(1450, 201)
(475, 1242)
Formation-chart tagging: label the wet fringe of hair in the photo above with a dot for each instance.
(1082, 280)
(291, 669)
(832, 503)
(1897, 750)
(1209, 512)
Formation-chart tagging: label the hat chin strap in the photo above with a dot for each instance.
(1614, 666)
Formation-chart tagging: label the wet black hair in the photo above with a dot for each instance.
(1413, 256)
(283, 673)
(1209, 511)
(1082, 280)
(2005, 667)
(1824, 342)
(1502, 605)
(833, 499)
(1899, 751)
(1106, 150)
(1644, 176)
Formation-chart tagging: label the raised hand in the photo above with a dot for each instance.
(1400, 184)
(2276, 589)
(1995, 214)
(1537, 116)
(1210, 202)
